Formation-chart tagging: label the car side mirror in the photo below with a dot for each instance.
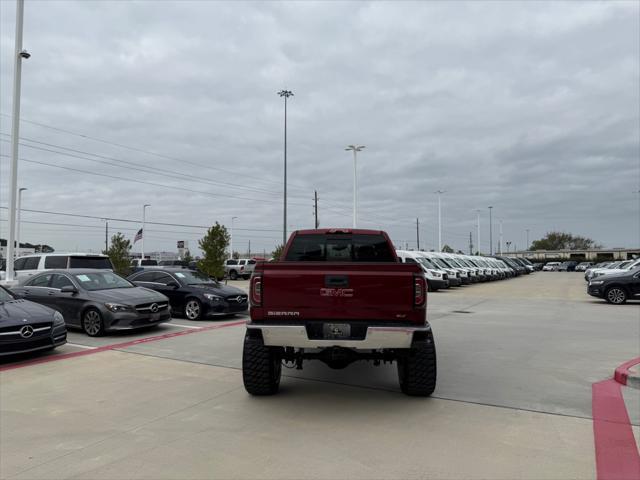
(173, 285)
(69, 289)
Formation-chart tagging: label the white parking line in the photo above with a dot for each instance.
(181, 325)
(81, 346)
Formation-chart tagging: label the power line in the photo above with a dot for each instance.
(149, 152)
(78, 215)
(154, 184)
(134, 166)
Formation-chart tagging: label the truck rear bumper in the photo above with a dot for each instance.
(376, 337)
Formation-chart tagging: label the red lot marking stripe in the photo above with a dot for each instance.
(622, 372)
(55, 358)
(617, 455)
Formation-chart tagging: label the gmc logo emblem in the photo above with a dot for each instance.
(336, 292)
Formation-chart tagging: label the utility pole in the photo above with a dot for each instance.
(144, 233)
(249, 253)
(18, 220)
(231, 238)
(19, 54)
(315, 207)
(418, 234)
(470, 244)
(286, 94)
(490, 232)
(500, 239)
(527, 245)
(106, 235)
(439, 192)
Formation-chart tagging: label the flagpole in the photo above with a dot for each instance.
(144, 211)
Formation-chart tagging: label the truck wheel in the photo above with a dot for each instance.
(417, 371)
(261, 367)
(233, 275)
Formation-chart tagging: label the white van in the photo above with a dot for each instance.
(436, 278)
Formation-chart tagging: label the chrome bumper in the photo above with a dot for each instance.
(376, 337)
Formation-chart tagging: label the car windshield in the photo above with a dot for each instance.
(93, 281)
(427, 263)
(194, 278)
(5, 296)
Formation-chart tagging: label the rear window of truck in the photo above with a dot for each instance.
(339, 248)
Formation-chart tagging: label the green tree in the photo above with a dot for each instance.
(277, 252)
(447, 249)
(214, 246)
(563, 241)
(118, 252)
(187, 256)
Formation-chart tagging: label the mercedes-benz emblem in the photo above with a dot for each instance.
(26, 331)
(153, 307)
(240, 299)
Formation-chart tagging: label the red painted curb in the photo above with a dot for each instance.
(82, 353)
(617, 455)
(622, 373)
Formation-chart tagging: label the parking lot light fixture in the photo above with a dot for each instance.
(490, 232)
(285, 94)
(439, 192)
(355, 149)
(478, 225)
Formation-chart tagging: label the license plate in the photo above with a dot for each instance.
(336, 330)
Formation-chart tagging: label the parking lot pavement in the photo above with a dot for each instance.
(513, 400)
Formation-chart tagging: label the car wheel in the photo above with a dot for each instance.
(417, 370)
(193, 309)
(261, 367)
(92, 323)
(616, 295)
(233, 275)
(246, 277)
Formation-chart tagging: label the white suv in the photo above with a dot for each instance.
(32, 264)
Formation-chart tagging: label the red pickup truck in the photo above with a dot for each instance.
(338, 296)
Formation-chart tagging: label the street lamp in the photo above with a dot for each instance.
(439, 192)
(527, 246)
(18, 221)
(231, 242)
(19, 55)
(478, 225)
(286, 94)
(355, 149)
(144, 219)
(490, 232)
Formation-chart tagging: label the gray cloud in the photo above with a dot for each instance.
(530, 107)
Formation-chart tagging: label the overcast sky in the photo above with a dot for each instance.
(533, 108)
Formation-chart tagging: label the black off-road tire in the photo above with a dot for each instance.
(261, 366)
(417, 371)
(233, 275)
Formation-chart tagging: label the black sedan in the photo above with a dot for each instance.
(28, 327)
(193, 294)
(616, 288)
(97, 301)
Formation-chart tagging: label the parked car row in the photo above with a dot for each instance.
(35, 313)
(610, 267)
(444, 270)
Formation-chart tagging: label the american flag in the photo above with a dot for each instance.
(138, 236)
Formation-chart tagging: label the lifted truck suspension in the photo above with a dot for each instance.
(338, 357)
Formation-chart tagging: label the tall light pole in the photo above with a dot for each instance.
(144, 232)
(355, 149)
(478, 225)
(231, 242)
(527, 245)
(500, 238)
(286, 94)
(439, 192)
(18, 221)
(490, 232)
(19, 54)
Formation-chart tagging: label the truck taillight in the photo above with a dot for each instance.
(256, 290)
(419, 290)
